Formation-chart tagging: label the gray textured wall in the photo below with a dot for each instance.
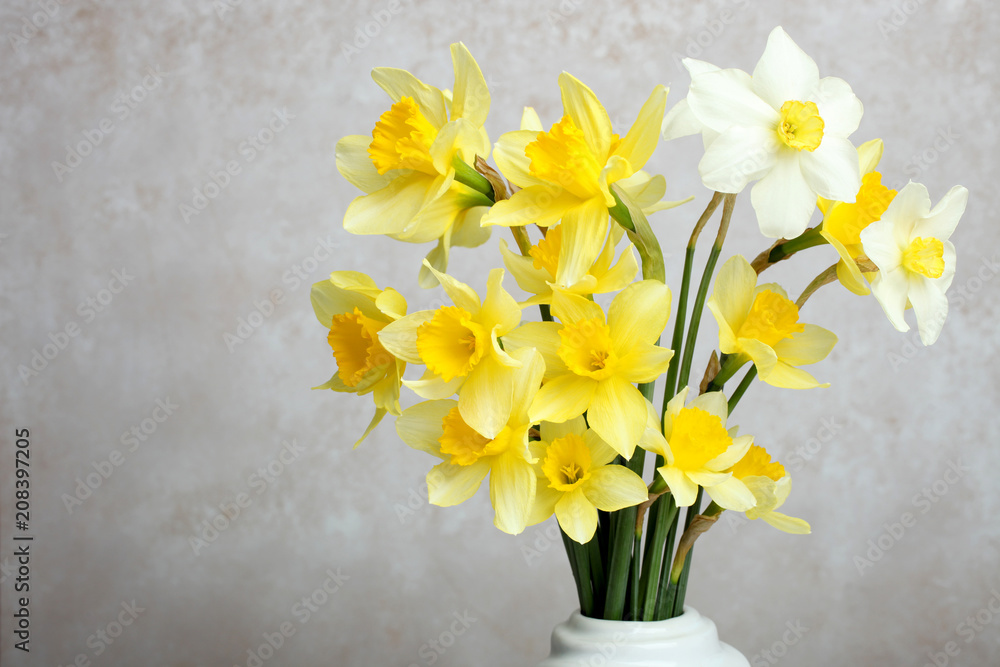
(896, 418)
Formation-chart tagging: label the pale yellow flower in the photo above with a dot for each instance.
(770, 485)
(354, 309)
(760, 323)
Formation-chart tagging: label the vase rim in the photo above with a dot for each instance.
(691, 621)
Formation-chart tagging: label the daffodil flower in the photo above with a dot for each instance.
(784, 126)
(459, 346)
(405, 167)
(592, 360)
(576, 478)
(843, 223)
(770, 485)
(916, 261)
(760, 323)
(537, 272)
(354, 309)
(438, 428)
(698, 451)
(565, 174)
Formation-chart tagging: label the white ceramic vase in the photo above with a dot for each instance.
(690, 640)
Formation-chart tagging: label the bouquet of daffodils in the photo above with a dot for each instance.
(558, 412)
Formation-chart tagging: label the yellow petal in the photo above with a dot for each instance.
(486, 397)
(614, 487)
(545, 502)
(459, 137)
(508, 153)
(584, 229)
(847, 269)
(432, 387)
(581, 104)
(618, 414)
(460, 294)
(577, 516)
(543, 336)
(563, 398)
(527, 379)
(787, 524)
(391, 303)
(732, 295)
(552, 430)
(470, 97)
(783, 375)
(329, 300)
(354, 164)
(390, 210)
(500, 312)
(379, 414)
(399, 338)
(808, 347)
(399, 83)
(601, 453)
(530, 120)
(436, 259)
(732, 495)
(714, 403)
(468, 231)
(644, 363)
(449, 484)
(683, 489)
(869, 155)
(512, 492)
(570, 308)
(733, 454)
(620, 275)
(762, 355)
(541, 205)
(420, 425)
(639, 314)
(530, 279)
(615, 170)
(640, 142)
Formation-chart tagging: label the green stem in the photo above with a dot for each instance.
(597, 572)
(807, 239)
(670, 390)
(706, 279)
(730, 364)
(665, 593)
(682, 582)
(583, 591)
(622, 540)
(742, 388)
(467, 175)
(662, 516)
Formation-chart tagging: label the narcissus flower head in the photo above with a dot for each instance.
(770, 485)
(460, 347)
(916, 261)
(760, 323)
(698, 450)
(565, 173)
(355, 310)
(438, 428)
(576, 479)
(405, 166)
(784, 127)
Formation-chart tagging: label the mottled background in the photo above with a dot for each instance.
(167, 94)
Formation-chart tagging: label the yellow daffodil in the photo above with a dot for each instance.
(770, 485)
(405, 166)
(843, 222)
(698, 451)
(916, 261)
(576, 478)
(566, 173)
(759, 323)
(438, 428)
(459, 346)
(354, 309)
(592, 361)
(537, 272)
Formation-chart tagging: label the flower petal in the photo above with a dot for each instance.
(508, 153)
(783, 200)
(391, 303)
(942, 220)
(787, 524)
(714, 403)
(832, 169)
(486, 397)
(644, 363)
(763, 357)
(390, 210)
(787, 377)
(460, 294)
(544, 337)
(813, 344)
(930, 305)
(432, 387)
(530, 279)
(399, 338)
(526, 381)
(584, 230)
(725, 97)
(638, 314)
(784, 72)
(732, 296)
(732, 495)
(909, 205)
(470, 97)
(618, 414)
(614, 487)
(545, 502)
(738, 156)
(683, 489)
(569, 307)
(541, 205)
(500, 311)
(582, 106)
(878, 240)
(640, 142)
(733, 454)
(552, 430)
(838, 106)
(399, 83)
(512, 492)
(562, 398)
(354, 164)
(890, 290)
(420, 426)
(577, 516)
(601, 452)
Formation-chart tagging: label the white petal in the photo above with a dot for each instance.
(783, 200)
(943, 219)
(784, 72)
(930, 305)
(838, 106)
(738, 156)
(912, 203)
(725, 97)
(680, 121)
(832, 170)
(890, 288)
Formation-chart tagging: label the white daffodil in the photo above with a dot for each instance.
(784, 127)
(916, 261)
